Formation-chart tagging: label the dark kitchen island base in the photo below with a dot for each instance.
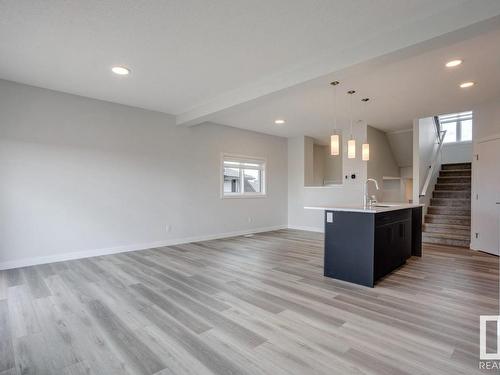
(362, 247)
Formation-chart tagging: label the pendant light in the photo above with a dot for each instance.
(351, 143)
(351, 149)
(365, 148)
(335, 138)
(365, 152)
(335, 145)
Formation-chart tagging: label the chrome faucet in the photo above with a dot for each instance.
(367, 201)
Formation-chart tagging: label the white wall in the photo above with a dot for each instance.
(460, 152)
(81, 176)
(401, 142)
(486, 119)
(486, 126)
(350, 192)
(406, 174)
(424, 148)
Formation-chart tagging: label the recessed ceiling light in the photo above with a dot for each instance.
(464, 85)
(453, 63)
(120, 70)
(279, 122)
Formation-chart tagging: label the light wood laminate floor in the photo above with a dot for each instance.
(244, 305)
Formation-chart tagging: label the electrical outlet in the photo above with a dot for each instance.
(249, 219)
(168, 228)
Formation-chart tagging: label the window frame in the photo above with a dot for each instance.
(249, 159)
(457, 119)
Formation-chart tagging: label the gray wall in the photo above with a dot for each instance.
(401, 142)
(381, 163)
(81, 176)
(322, 168)
(333, 167)
(308, 162)
(319, 165)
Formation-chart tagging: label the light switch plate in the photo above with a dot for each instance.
(329, 217)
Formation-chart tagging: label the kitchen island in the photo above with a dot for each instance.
(364, 244)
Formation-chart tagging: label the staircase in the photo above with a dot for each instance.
(447, 221)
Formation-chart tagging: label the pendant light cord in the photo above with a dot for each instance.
(335, 109)
(365, 109)
(335, 84)
(350, 108)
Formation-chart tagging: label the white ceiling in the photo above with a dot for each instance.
(193, 58)
(402, 86)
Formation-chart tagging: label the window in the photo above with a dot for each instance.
(451, 131)
(243, 176)
(458, 127)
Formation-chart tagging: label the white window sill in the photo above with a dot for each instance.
(457, 143)
(244, 196)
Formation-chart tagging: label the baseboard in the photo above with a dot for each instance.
(123, 249)
(309, 229)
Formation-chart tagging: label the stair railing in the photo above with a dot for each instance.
(437, 126)
(440, 139)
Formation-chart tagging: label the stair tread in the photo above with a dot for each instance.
(465, 206)
(456, 170)
(447, 235)
(443, 205)
(453, 184)
(446, 242)
(453, 199)
(452, 208)
(450, 216)
(453, 191)
(448, 226)
(442, 180)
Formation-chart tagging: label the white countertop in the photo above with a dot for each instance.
(378, 207)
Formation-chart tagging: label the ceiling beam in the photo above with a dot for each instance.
(467, 17)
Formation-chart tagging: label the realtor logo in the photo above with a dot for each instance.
(484, 355)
